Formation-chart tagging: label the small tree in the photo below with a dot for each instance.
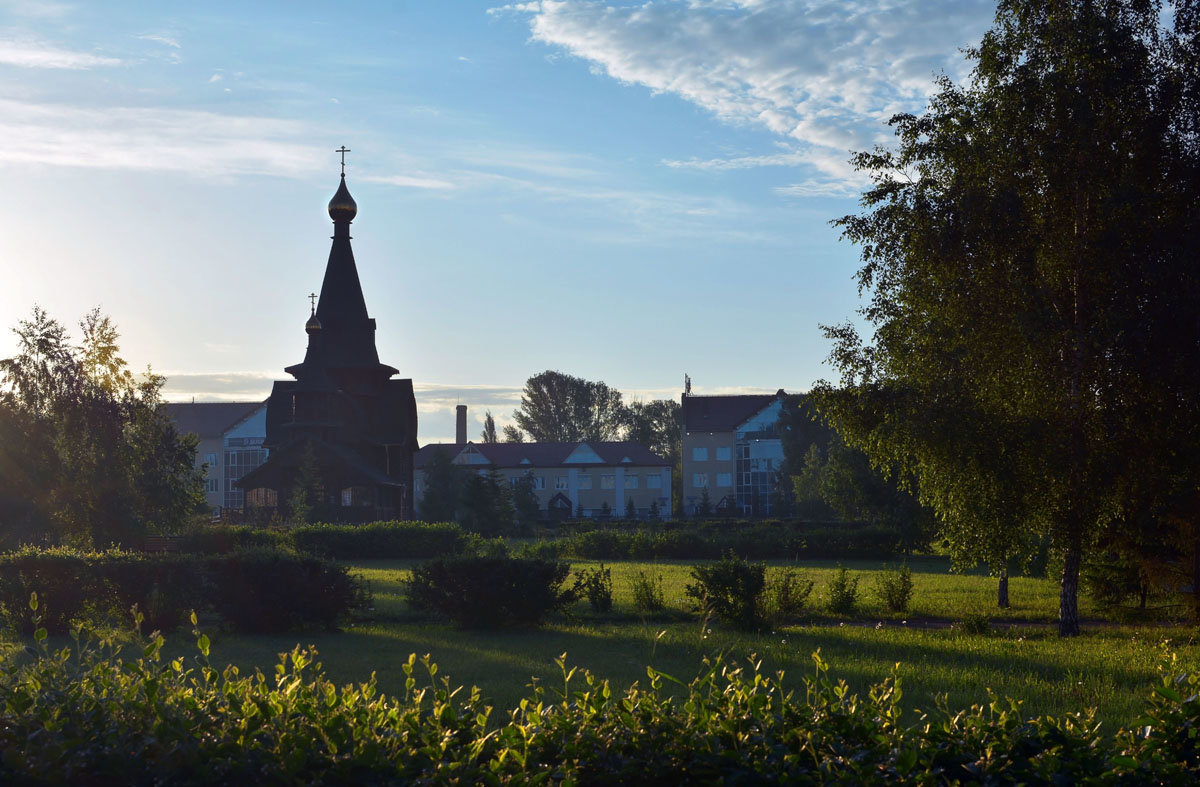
(705, 506)
(653, 513)
(525, 501)
(489, 428)
(306, 489)
(630, 508)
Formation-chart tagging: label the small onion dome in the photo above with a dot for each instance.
(313, 325)
(342, 208)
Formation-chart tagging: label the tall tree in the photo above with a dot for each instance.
(442, 488)
(1027, 251)
(658, 425)
(489, 429)
(96, 459)
(561, 408)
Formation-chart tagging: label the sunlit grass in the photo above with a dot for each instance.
(1109, 667)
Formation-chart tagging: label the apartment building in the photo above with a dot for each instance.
(231, 444)
(731, 451)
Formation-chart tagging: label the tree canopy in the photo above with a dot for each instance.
(561, 408)
(87, 454)
(1029, 258)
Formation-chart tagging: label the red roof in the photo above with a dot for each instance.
(722, 413)
(549, 454)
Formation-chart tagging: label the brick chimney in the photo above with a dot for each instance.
(460, 426)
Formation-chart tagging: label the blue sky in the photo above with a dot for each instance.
(625, 192)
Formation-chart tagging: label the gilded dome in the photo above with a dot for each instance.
(342, 208)
(313, 325)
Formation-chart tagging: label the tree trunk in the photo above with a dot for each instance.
(1068, 604)
(1002, 589)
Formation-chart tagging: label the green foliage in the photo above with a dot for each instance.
(658, 425)
(1027, 249)
(561, 408)
(975, 623)
(630, 509)
(92, 458)
(489, 591)
(90, 714)
(647, 592)
(443, 487)
(843, 592)
(488, 435)
(307, 490)
(268, 590)
(759, 540)
(895, 588)
(486, 505)
(380, 540)
(731, 590)
(596, 586)
(261, 590)
(525, 502)
(787, 594)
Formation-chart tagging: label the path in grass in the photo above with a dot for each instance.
(1110, 667)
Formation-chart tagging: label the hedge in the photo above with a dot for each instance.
(259, 590)
(95, 718)
(759, 541)
(373, 541)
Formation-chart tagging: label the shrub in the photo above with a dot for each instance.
(843, 592)
(731, 590)
(88, 715)
(62, 579)
(164, 587)
(647, 592)
(222, 539)
(490, 591)
(974, 623)
(787, 593)
(895, 589)
(267, 590)
(381, 540)
(596, 586)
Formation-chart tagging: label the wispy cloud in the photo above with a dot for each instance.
(36, 9)
(199, 143)
(789, 159)
(215, 78)
(161, 38)
(35, 54)
(823, 75)
(412, 182)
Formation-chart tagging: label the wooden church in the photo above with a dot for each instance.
(343, 412)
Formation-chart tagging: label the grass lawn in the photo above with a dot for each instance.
(1110, 667)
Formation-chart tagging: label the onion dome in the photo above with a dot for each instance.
(313, 325)
(342, 208)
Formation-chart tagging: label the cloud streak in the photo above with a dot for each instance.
(33, 54)
(823, 75)
(129, 138)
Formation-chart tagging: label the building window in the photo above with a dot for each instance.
(700, 454)
(724, 479)
(631, 481)
(212, 485)
(700, 480)
(724, 453)
(538, 481)
(238, 462)
(654, 481)
(211, 461)
(608, 482)
(585, 481)
(560, 482)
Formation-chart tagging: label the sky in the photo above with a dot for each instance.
(625, 192)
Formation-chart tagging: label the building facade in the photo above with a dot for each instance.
(569, 479)
(231, 438)
(732, 453)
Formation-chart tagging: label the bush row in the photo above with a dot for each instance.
(258, 590)
(376, 540)
(98, 719)
(760, 541)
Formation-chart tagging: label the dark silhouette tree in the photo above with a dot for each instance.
(560, 408)
(488, 435)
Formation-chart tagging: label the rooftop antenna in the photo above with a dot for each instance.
(687, 384)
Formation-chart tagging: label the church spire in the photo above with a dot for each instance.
(347, 331)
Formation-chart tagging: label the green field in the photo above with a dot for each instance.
(1110, 667)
